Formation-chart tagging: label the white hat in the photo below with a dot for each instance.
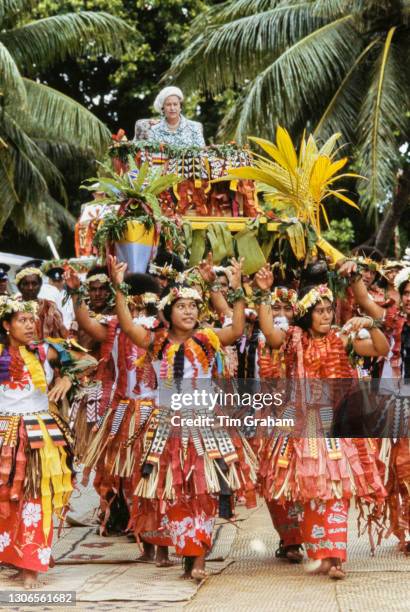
(164, 94)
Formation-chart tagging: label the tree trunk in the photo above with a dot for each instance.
(384, 235)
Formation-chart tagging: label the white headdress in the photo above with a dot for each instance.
(402, 277)
(164, 94)
(178, 293)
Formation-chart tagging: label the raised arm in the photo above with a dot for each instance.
(364, 301)
(94, 329)
(228, 335)
(360, 293)
(136, 333)
(375, 346)
(275, 336)
(217, 299)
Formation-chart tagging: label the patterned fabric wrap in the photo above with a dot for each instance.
(23, 542)
(49, 321)
(320, 468)
(324, 528)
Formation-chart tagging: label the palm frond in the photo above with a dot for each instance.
(31, 164)
(302, 77)
(55, 116)
(380, 118)
(236, 9)
(230, 127)
(225, 56)
(41, 220)
(229, 11)
(61, 215)
(332, 9)
(248, 44)
(11, 83)
(8, 195)
(10, 8)
(72, 161)
(40, 44)
(342, 110)
(187, 67)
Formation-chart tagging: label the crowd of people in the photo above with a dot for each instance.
(81, 379)
(86, 361)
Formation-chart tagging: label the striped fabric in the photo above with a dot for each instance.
(34, 433)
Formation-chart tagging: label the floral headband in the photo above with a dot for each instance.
(178, 293)
(28, 272)
(402, 277)
(366, 262)
(283, 294)
(167, 271)
(391, 265)
(10, 306)
(315, 295)
(144, 300)
(102, 278)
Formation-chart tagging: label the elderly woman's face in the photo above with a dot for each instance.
(172, 108)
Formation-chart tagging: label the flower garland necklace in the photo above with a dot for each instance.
(15, 362)
(203, 347)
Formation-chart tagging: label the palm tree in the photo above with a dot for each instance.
(330, 65)
(40, 128)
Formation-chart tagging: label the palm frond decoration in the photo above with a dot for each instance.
(135, 194)
(298, 183)
(133, 197)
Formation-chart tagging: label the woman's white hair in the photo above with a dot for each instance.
(164, 94)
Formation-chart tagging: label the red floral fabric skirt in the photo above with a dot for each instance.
(22, 539)
(286, 522)
(324, 528)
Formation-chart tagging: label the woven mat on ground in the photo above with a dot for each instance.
(121, 582)
(266, 584)
(83, 545)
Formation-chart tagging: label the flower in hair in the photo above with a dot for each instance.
(178, 293)
(315, 295)
(402, 277)
(28, 272)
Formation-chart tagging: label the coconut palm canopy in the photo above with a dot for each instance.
(334, 65)
(39, 126)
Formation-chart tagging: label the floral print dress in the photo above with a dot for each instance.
(35, 460)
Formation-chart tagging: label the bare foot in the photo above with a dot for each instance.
(162, 559)
(335, 572)
(198, 570)
(199, 574)
(30, 580)
(318, 566)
